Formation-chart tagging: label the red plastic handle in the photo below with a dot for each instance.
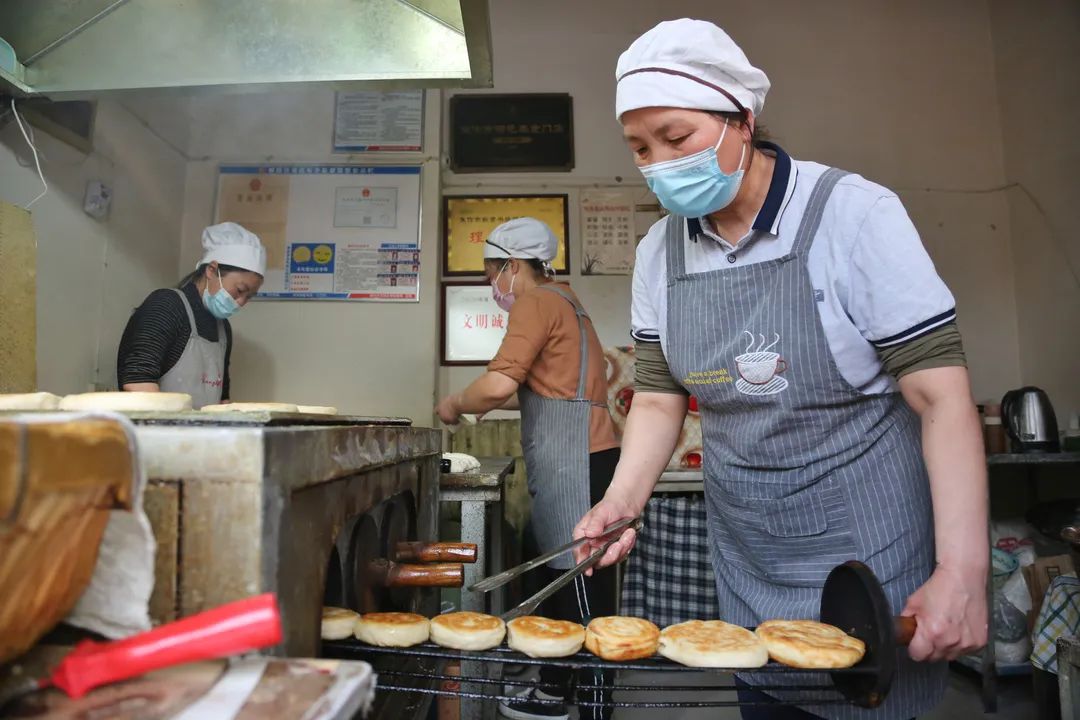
(227, 630)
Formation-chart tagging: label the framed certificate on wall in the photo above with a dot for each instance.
(472, 324)
(469, 219)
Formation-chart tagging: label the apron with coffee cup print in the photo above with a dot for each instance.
(802, 471)
(555, 443)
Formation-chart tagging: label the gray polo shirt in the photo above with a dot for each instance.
(874, 284)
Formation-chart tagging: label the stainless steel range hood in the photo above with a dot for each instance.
(90, 48)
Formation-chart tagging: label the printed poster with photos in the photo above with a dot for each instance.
(469, 219)
(608, 235)
(473, 325)
(331, 232)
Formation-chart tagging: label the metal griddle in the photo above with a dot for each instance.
(253, 419)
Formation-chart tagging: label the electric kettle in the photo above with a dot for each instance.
(1030, 421)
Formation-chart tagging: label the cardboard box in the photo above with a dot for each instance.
(1039, 576)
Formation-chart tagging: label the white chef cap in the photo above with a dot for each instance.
(523, 237)
(689, 64)
(231, 244)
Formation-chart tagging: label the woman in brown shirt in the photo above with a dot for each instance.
(550, 366)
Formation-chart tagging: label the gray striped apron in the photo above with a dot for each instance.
(200, 371)
(555, 443)
(803, 471)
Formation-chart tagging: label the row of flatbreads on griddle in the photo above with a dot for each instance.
(697, 643)
(144, 402)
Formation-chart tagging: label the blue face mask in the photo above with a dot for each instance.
(694, 186)
(221, 304)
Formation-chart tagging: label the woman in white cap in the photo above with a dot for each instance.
(179, 339)
(797, 304)
(551, 366)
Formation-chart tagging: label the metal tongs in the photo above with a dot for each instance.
(612, 532)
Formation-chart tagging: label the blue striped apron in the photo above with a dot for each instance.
(555, 443)
(802, 471)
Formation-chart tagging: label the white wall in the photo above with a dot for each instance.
(903, 93)
(363, 358)
(1037, 57)
(92, 274)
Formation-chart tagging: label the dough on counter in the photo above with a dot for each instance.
(809, 644)
(128, 401)
(541, 637)
(460, 462)
(466, 630)
(338, 623)
(252, 407)
(392, 629)
(317, 409)
(712, 643)
(618, 637)
(30, 401)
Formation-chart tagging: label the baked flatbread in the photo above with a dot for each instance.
(30, 401)
(338, 623)
(252, 407)
(392, 629)
(712, 643)
(540, 637)
(467, 630)
(617, 637)
(317, 409)
(809, 644)
(128, 401)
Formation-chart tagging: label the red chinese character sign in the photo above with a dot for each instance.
(473, 326)
(470, 219)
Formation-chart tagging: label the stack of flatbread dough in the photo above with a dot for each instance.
(145, 402)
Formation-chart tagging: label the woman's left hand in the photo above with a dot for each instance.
(447, 410)
(951, 612)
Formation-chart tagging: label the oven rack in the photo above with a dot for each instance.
(483, 684)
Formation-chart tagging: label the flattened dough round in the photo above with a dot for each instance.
(617, 637)
(810, 644)
(712, 643)
(317, 409)
(30, 401)
(392, 629)
(252, 407)
(128, 401)
(338, 623)
(541, 637)
(467, 630)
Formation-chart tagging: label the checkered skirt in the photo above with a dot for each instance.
(669, 578)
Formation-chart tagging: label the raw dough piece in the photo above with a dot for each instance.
(712, 643)
(128, 401)
(317, 409)
(461, 463)
(392, 629)
(809, 644)
(30, 401)
(338, 623)
(618, 637)
(252, 407)
(467, 630)
(541, 637)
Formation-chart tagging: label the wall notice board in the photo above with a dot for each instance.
(332, 232)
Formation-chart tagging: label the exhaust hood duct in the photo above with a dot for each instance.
(94, 48)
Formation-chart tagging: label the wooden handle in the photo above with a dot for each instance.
(904, 628)
(447, 575)
(435, 552)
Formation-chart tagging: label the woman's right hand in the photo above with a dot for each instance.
(607, 512)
